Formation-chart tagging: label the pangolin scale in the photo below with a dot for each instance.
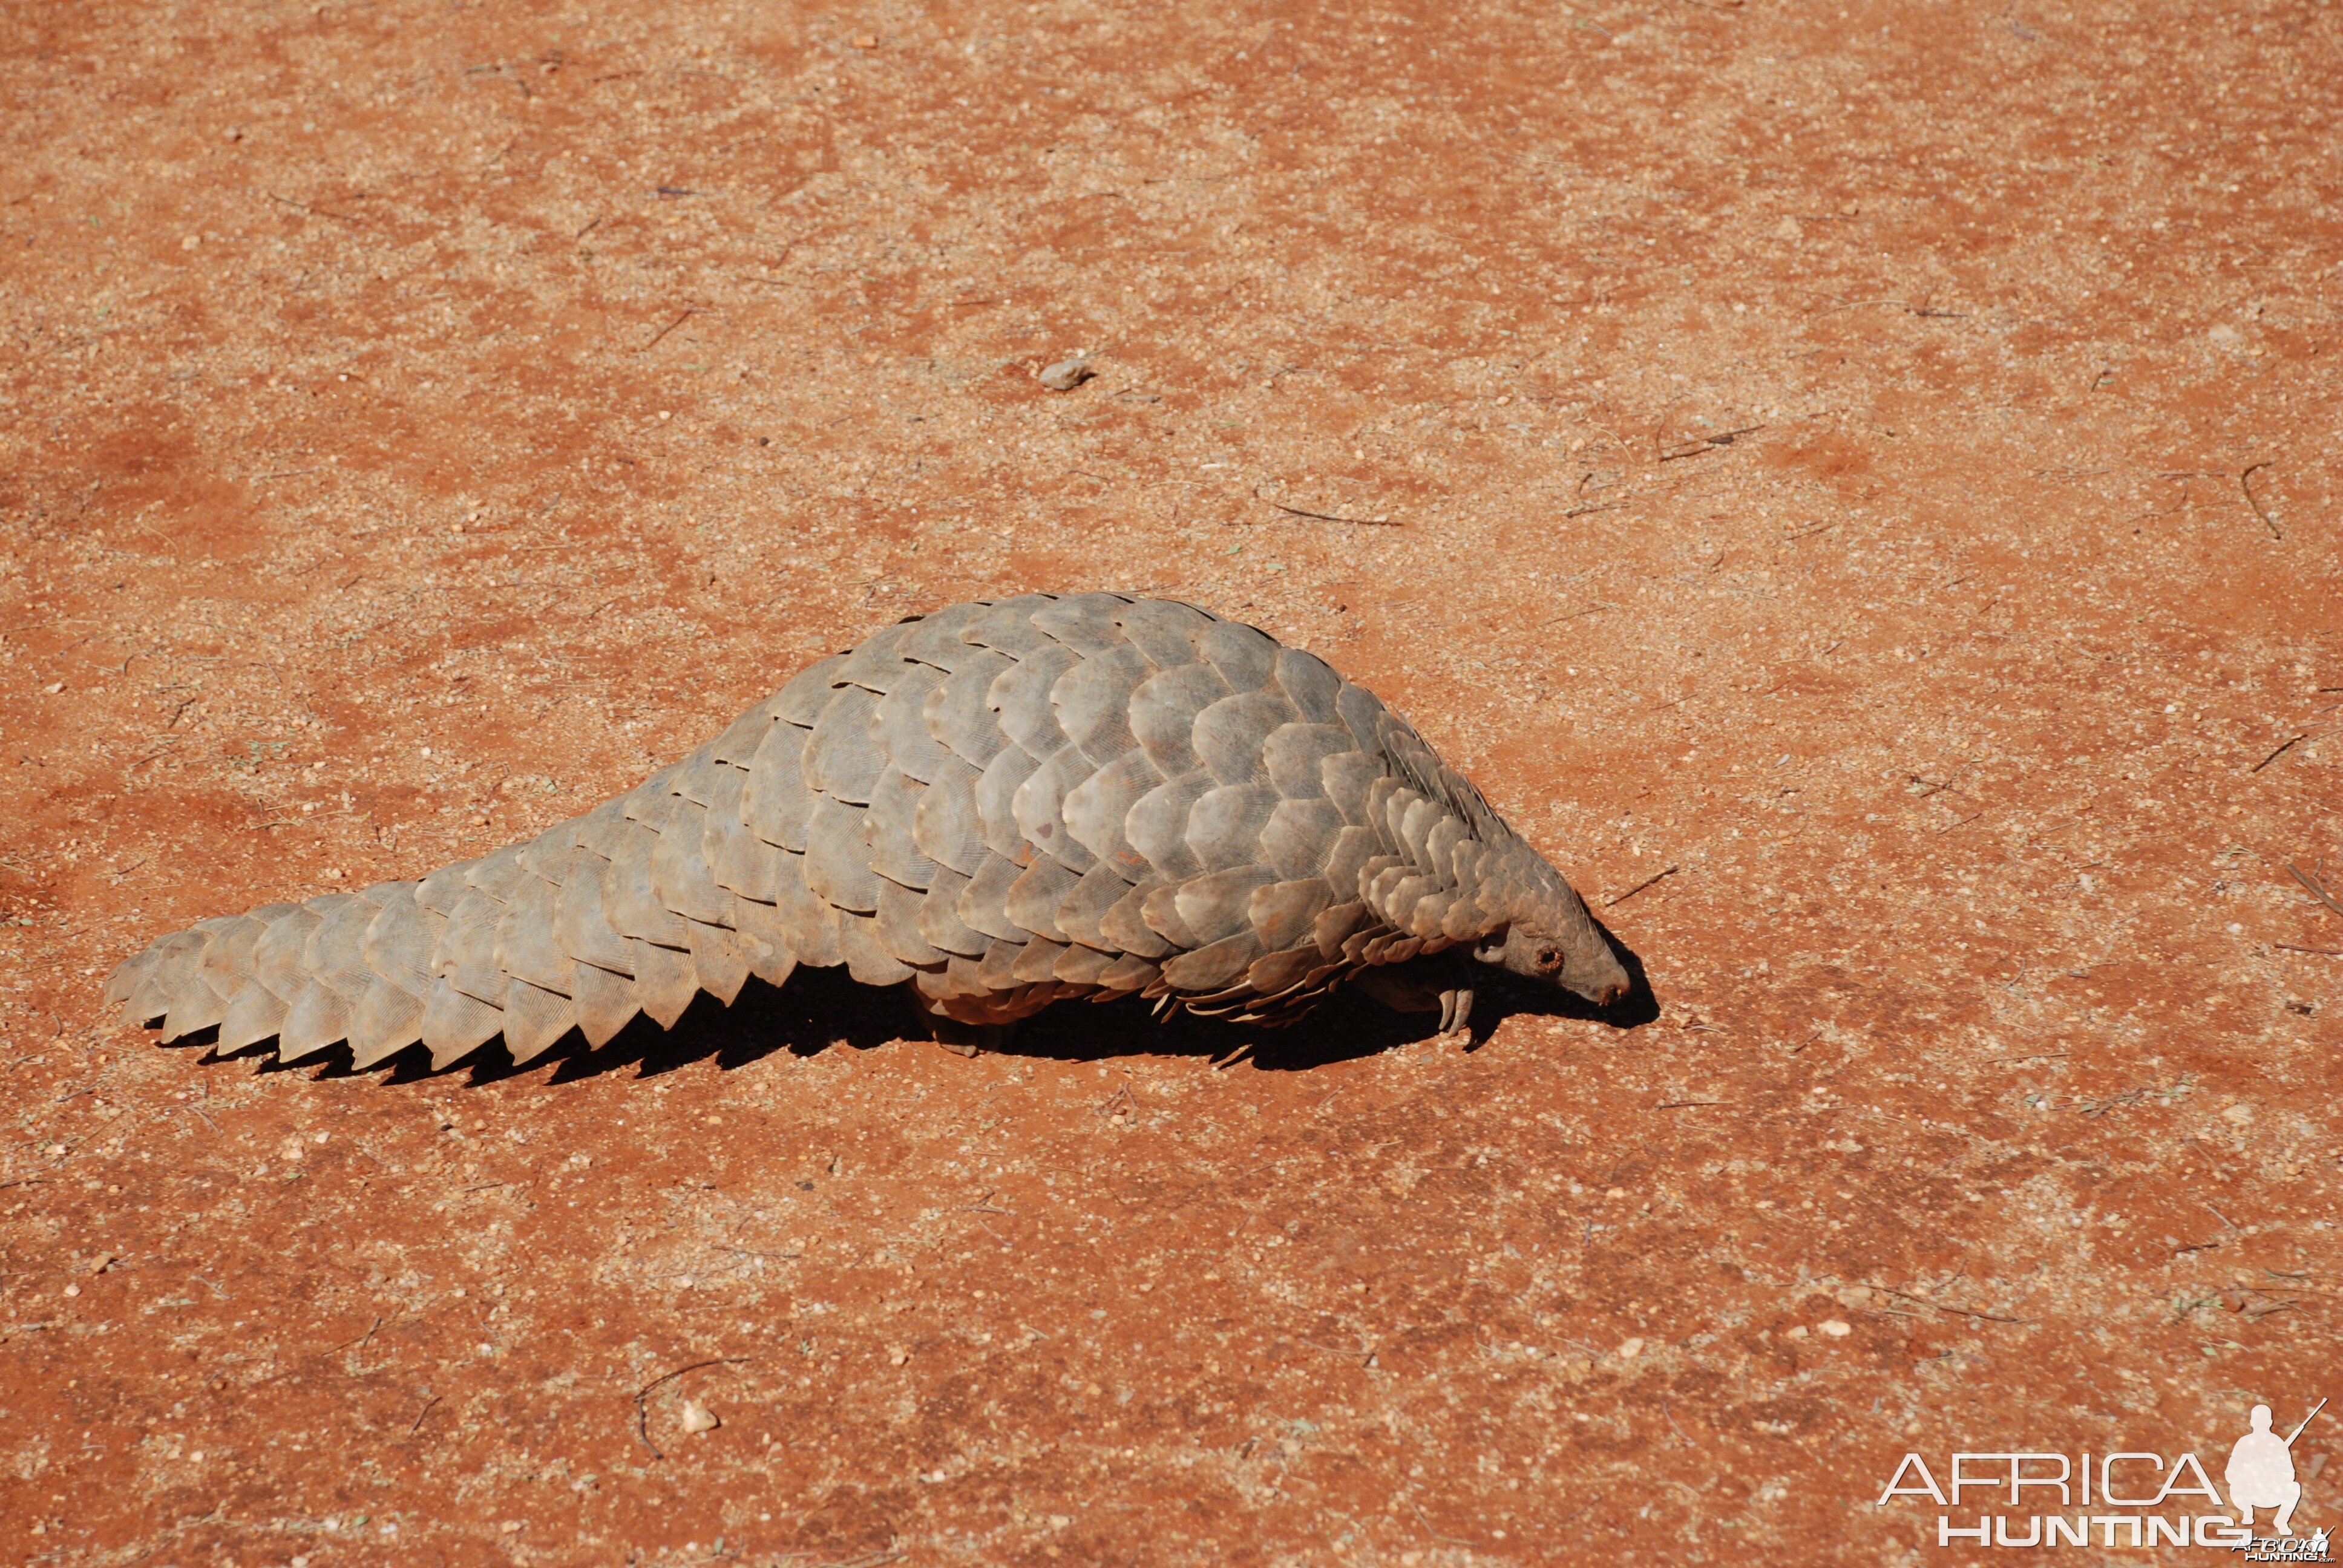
(996, 806)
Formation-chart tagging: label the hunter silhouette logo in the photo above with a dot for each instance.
(2132, 1498)
(2261, 1470)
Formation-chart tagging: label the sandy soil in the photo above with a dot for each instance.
(1870, 469)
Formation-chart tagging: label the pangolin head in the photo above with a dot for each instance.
(1546, 933)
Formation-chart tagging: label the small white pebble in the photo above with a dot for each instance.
(73, 1290)
(1797, 1333)
(896, 1358)
(698, 1418)
(1630, 1350)
(1836, 1328)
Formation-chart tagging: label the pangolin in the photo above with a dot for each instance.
(995, 806)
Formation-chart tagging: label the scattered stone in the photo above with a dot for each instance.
(1067, 373)
(1796, 1331)
(698, 1418)
(1836, 1328)
(1630, 1350)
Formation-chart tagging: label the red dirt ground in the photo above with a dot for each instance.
(1873, 465)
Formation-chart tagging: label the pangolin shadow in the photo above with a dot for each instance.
(820, 1010)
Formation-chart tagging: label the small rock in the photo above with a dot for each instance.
(1836, 1328)
(866, 41)
(1067, 373)
(1796, 1333)
(1630, 1350)
(73, 1290)
(105, 1261)
(896, 1358)
(698, 1418)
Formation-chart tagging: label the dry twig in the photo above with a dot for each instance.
(1328, 516)
(2276, 754)
(2318, 890)
(2246, 483)
(642, 1411)
(1639, 886)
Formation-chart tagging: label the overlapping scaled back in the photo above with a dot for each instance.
(999, 805)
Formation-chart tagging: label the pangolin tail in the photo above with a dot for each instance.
(576, 928)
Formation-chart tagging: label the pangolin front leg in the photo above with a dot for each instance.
(999, 806)
(1438, 984)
